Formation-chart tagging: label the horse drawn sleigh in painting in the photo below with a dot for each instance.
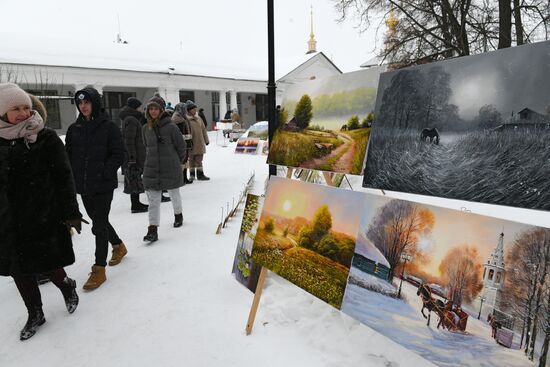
(451, 317)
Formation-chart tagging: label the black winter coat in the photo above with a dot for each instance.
(37, 194)
(96, 151)
(131, 134)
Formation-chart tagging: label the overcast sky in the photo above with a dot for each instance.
(231, 31)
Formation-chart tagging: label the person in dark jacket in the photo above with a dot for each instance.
(203, 117)
(200, 141)
(130, 125)
(165, 152)
(181, 122)
(95, 149)
(37, 204)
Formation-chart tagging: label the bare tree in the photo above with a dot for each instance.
(528, 282)
(439, 29)
(461, 268)
(397, 228)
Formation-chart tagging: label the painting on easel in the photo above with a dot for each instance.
(307, 234)
(244, 268)
(457, 288)
(324, 124)
(471, 128)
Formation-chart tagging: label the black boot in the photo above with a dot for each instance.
(152, 234)
(185, 179)
(201, 176)
(164, 199)
(36, 318)
(191, 174)
(178, 220)
(137, 206)
(69, 294)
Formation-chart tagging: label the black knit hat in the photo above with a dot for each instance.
(133, 102)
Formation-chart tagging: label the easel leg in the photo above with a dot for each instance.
(256, 301)
(328, 178)
(289, 172)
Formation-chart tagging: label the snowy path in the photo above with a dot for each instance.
(175, 302)
(403, 322)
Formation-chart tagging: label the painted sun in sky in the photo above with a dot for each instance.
(287, 205)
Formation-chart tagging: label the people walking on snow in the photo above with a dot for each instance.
(200, 141)
(165, 152)
(37, 204)
(95, 148)
(183, 125)
(132, 136)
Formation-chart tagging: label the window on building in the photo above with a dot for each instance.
(186, 95)
(113, 103)
(491, 273)
(262, 107)
(52, 106)
(498, 278)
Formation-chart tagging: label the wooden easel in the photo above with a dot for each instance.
(263, 273)
(256, 301)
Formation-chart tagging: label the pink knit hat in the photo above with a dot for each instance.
(10, 96)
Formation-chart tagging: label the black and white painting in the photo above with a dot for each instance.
(474, 128)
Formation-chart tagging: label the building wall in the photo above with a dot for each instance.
(144, 84)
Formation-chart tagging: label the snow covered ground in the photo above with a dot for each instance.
(175, 302)
(402, 322)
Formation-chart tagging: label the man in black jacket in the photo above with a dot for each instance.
(95, 149)
(132, 136)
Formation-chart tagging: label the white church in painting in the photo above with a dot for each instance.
(493, 276)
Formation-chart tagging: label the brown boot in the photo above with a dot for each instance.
(119, 251)
(152, 234)
(97, 278)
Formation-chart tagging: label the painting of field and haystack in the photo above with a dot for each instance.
(457, 288)
(246, 271)
(474, 128)
(307, 235)
(325, 124)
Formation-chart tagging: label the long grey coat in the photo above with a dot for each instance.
(200, 136)
(165, 150)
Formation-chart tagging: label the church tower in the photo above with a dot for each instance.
(493, 275)
(312, 44)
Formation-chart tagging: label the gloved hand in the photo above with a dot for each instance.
(76, 223)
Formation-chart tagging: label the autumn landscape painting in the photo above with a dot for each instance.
(459, 289)
(307, 235)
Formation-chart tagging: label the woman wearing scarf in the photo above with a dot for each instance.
(164, 153)
(37, 204)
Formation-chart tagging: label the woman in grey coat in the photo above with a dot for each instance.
(165, 151)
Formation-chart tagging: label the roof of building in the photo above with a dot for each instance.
(130, 57)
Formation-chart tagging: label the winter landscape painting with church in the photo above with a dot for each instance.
(459, 289)
(473, 128)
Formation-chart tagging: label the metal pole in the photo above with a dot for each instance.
(480, 307)
(271, 86)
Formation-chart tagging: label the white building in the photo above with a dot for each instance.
(119, 71)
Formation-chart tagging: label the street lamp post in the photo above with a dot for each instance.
(405, 258)
(482, 299)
